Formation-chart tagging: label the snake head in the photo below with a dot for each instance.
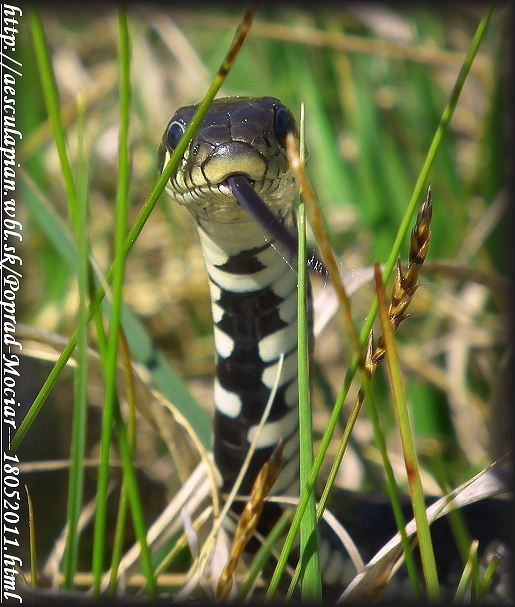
(238, 136)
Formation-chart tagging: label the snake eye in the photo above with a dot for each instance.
(284, 123)
(174, 133)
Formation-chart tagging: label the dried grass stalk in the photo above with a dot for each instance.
(405, 284)
(249, 519)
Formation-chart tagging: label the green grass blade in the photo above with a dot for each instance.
(408, 445)
(119, 533)
(123, 501)
(53, 107)
(138, 520)
(111, 357)
(468, 576)
(263, 554)
(455, 517)
(80, 404)
(484, 583)
(311, 585)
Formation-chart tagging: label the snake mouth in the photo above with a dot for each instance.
(226, 186)
(234, 158)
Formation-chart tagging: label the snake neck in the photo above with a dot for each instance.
(254, 309)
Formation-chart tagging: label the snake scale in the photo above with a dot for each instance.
(235, 160)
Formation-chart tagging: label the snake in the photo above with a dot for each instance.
(252, 276)
(236, 182)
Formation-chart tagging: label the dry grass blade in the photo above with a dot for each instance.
(191, 496)
(322, 236)
(406, 284)
(249, 519)
(340, 42)
(492, 481)
(32, 535)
